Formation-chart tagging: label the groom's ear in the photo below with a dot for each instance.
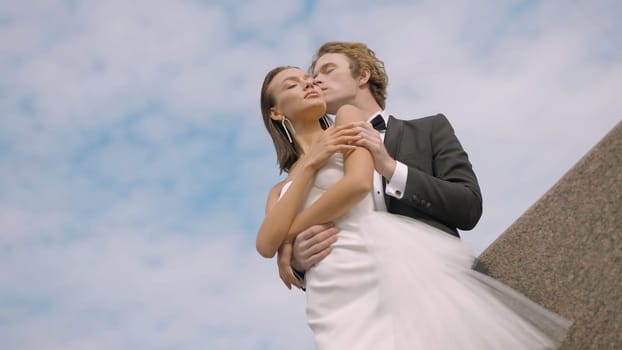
(275, 115)
(364, 77)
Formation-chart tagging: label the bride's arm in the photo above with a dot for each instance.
(339, 198)
(280, 213)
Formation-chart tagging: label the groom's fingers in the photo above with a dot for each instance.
(323, 241)
(316, 258)
(308, 236)
(338, 131)
(364, 132)
(311, 245)
(359, 124)
(318, 247)
(369, 139)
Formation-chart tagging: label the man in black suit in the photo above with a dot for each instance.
(421, 170)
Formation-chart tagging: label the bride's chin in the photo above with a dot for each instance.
(319, 110)
(314, 111)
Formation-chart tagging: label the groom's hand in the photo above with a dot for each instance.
(369, 138)
(312, 245)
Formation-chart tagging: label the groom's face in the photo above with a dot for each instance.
(332, 74)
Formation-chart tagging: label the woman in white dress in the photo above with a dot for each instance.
(390, 282)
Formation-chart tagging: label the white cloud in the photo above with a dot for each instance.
(261, 15)
(96, 61)
(130, 289)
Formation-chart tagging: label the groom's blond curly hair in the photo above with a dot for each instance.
(361, 58)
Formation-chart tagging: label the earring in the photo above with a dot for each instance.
(283, 120)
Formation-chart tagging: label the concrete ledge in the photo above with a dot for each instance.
(565, 252)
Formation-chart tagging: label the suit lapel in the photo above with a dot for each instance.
(393, 135)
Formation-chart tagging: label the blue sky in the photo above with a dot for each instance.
(134, 165)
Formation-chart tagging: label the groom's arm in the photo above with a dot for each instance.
(310, 247)
(451, 194)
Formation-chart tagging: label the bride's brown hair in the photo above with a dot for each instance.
(286, 153)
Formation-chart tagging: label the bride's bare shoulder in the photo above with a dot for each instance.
(275, 191)
(347, 114)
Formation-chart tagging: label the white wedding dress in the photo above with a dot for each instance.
(392, 282)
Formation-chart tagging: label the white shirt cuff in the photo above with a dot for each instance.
(397, 185)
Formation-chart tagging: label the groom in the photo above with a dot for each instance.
(421, 170)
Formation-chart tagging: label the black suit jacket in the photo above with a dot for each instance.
(441, 189)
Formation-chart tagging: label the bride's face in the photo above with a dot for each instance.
(296, 96)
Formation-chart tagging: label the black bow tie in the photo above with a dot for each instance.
(378, 123)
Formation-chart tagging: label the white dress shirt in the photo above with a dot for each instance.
(395, 187)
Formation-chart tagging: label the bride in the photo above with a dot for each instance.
(390, 282)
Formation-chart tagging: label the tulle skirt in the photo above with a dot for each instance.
(392, 282)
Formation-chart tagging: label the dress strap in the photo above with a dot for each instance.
(285, 188)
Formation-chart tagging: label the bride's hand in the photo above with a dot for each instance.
(334, 139)
(285, 269)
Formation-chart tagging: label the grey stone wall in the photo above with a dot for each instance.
(565, 252)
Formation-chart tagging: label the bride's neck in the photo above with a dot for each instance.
(306, 134)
